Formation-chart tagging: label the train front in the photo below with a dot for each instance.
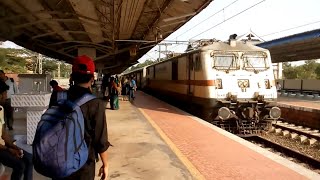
(245, 91)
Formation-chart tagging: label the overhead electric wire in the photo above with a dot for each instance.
(229, 18)
(151, 57)
(208, 17)
(225, 19)
(291, 28)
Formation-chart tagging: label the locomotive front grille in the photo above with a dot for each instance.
(243, 83)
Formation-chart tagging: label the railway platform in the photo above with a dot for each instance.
(154, 140)
(211, 153)
(302, 103)
(300, 111)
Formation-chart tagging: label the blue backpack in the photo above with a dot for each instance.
(59, 147)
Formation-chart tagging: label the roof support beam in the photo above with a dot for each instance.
(70, 48)
(41, 21)
(54, 20)
(156, 19)
(74, 32)
(141, 15)
(36, 5)
(87, 8)
(80, 42)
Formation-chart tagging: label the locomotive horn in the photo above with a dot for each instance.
(233, 36)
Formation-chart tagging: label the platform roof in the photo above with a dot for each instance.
(57, 28)
(302, 46)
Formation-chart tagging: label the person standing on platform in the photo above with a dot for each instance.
(126, 89)
(105, 87)
(114, 92)
(278, 86)
(95, 124)
(11, 155)
(119, 87)
(132, 88)
(8, 110)
(55, 89)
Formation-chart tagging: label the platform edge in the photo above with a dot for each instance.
(274, 157)
(185, 161)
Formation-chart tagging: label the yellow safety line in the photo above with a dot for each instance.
(193, 170)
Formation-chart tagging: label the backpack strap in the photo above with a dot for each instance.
(84, 99)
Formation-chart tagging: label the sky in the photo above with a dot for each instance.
(270, 16)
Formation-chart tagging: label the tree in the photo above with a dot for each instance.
(25, 61)
(140, 65)
(11, 63)
(290, 72)
(317, 71)
(309, 70)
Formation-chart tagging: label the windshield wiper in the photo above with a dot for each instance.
(254, 70)
(227, 71)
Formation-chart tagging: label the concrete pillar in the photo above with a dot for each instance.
(91, 52)
(277, 70)
(280, 70)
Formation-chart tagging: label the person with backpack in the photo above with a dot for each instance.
(10, 155)
(72, 134)
(12, 90)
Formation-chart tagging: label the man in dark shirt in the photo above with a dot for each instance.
(96, 135)
(55, 89)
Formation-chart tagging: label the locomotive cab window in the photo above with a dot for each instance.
(225, 62)
(255, 62)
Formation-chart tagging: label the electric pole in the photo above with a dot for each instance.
(165, 52)
(59, 70)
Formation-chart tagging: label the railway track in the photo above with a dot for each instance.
(302, 158)
(306, 135)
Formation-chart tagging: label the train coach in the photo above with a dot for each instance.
(230, 84)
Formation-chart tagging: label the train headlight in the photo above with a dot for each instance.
(219, 83)
(275, 113)
(267, 83)
(224, 113)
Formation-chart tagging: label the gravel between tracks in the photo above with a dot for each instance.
(313, 151)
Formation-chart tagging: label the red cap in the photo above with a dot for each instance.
(83, 64)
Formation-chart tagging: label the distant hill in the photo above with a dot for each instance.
(25, 61)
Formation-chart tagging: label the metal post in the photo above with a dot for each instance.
(159, 52)
(40, 63)
(166, 50)
(280, 70)
(59, 70)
